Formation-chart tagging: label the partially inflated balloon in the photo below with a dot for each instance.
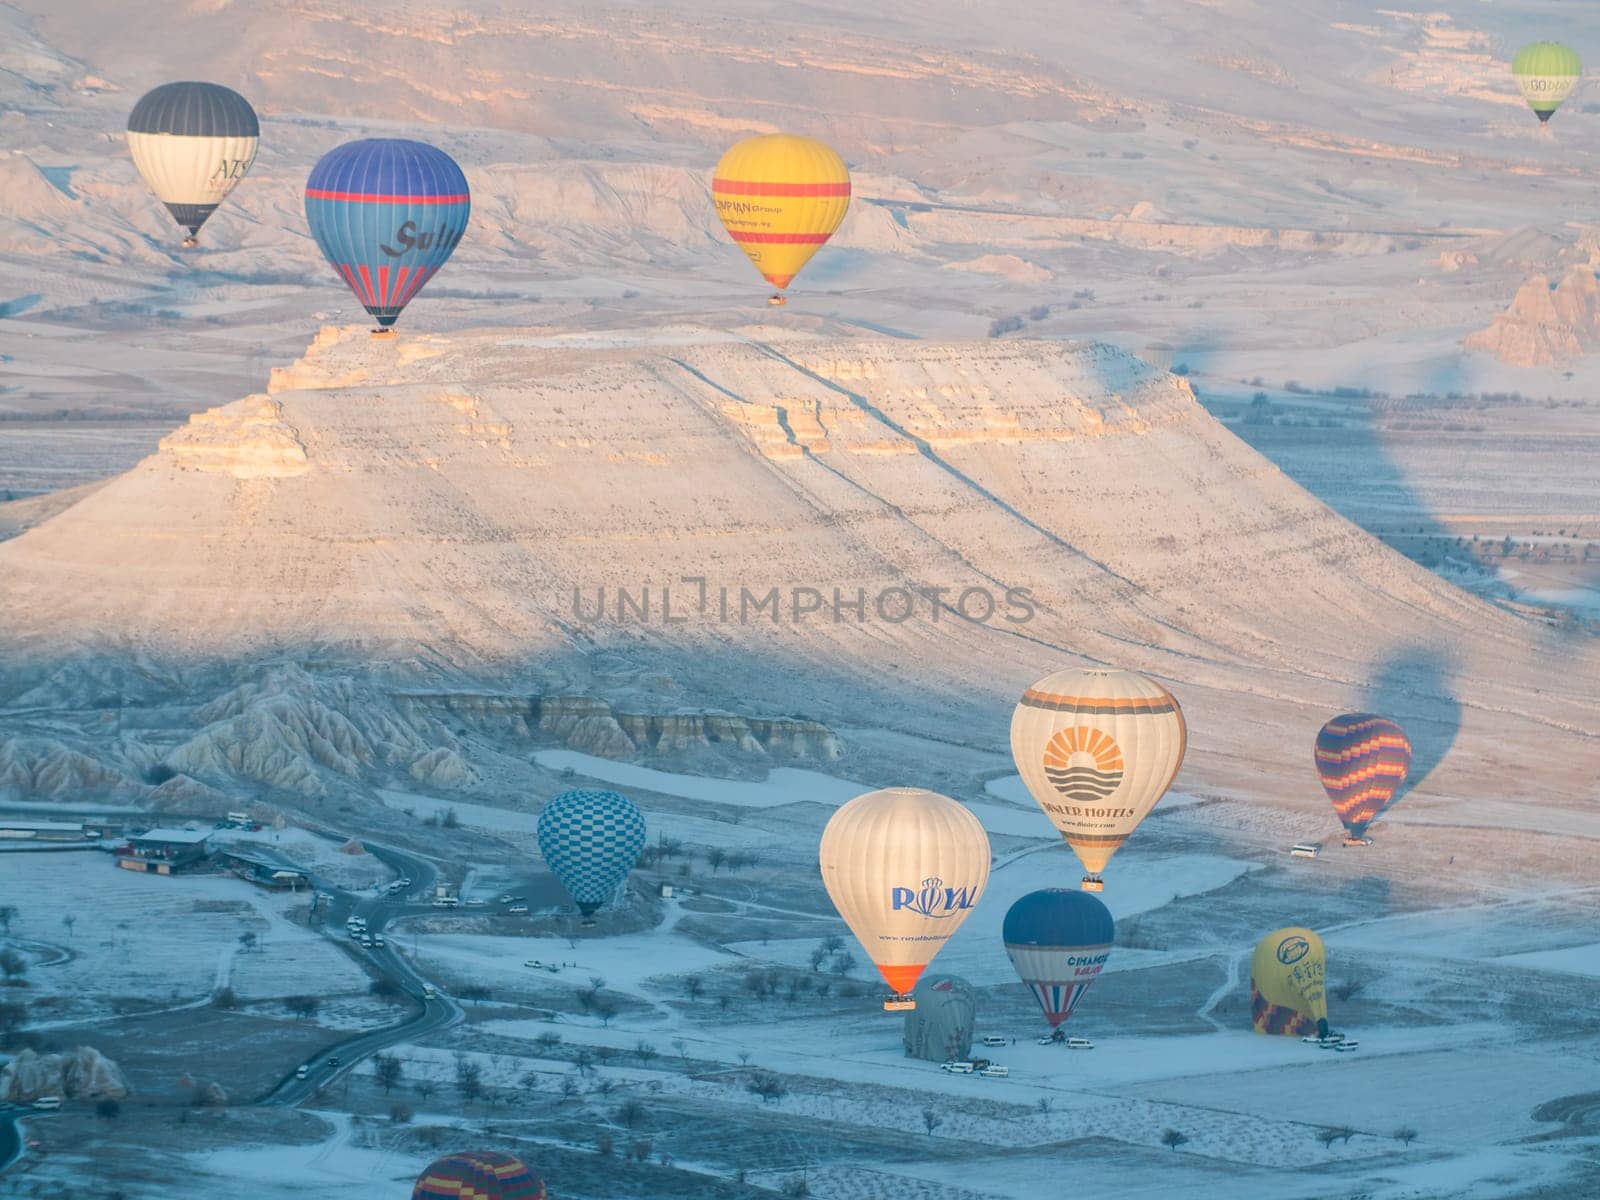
(1097, 749)
(1362, 760)
(478, 1175)
(591, 839)
(192, 142)
(1546, 72)
(904, 867)
(1059, 941)
(1287, 987)
(387, 213)
(780, 197)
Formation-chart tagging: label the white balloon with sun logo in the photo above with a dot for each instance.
(904, 867)
(1097, 749)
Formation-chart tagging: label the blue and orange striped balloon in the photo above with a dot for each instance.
(1362, 760)
(478, 1175)
(387, 213)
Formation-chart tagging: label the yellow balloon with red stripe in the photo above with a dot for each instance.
(780, 197)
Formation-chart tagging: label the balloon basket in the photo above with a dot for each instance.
(776, 301)
(1357, 841)
(587, 923)
(191, 242)
(382, 333)
(1093, 883)
(899, 1003)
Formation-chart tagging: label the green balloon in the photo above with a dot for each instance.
(1546, 72)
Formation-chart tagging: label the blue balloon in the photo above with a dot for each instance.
(387, 213)
(591, 839)
(1058, 940)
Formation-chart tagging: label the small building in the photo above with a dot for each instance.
(163, 851)
(45, 831)
(264, 869)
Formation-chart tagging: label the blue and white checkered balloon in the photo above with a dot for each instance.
(591, 839)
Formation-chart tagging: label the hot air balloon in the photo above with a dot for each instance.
(387, 213)
(1287, 990)
(1362, 761)
(591, 839)
(478, 1175)
(780, 197)
(192, 142)
(940, 1027)
(1059, 941)
(1546, 72)
(904, 867)
(1097, 749)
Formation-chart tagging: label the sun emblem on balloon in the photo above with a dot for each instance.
(1083, 764)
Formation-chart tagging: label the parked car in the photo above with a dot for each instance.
(533, 962)
(427, 991)
(333, 1061)
(957, 1068)
(47, 1103)
(507, 898)
(995, 1071)
(517, 908)
(1347, 1044)
(995, 1040)
(1079, 1044)
(366, 943)
(302, 1071)
(379, 942)
(474, 903)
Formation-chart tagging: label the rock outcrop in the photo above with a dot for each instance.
(592, 726)
(1546, 323)
(81, 1074)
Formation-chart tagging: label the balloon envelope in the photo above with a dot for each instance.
(1546, 72)
(1362, 760)
(193, 142)
(591, 839)
(387, 213)
(940, 1027)
(1097, 749)
(780, 197)
(478, 1175)
(1287, 987)
(1059, 941)
(904, 867)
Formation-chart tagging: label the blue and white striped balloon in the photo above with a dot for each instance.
(591, 839)
(387, 213)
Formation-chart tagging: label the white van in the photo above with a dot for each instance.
(995, 1071)
(427, 991)
(996, 1040)
(1347, 1044)
(957, 1068)
(47, 1103)
(1079, 1044)
(1305, 850)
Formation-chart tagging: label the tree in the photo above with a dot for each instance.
(387, 1069)
(768, 1086)
(819, 955)
(644, 1050)
(1344, 1133)
(13, 1016)
(400, 1114)
(1404, 1134)
(247, 941)
(227, 999)
(843, 963)
(469, 1079)
(605, 1008)
(833, 943)
(931, 1120)
(569, 1087)
(1172, 1139)
(633, 1113)
(303, 1007)
(1045, 1105)
(547, 1041)
(69, 921)
(682, 1047)
(8, 913)
(476, 992)
(1348, 989)
(603, 1145)
(13, 964)
(796, 1186)
(425, 1088)
(583, 1062)
(1327, 1137)
(108, 1109)
(640, 1150)
(386, 989)
(693, 986)
(716, 857)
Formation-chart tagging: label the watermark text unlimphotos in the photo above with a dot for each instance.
(694, 598)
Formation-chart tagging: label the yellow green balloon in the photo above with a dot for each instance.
(1546, 72)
